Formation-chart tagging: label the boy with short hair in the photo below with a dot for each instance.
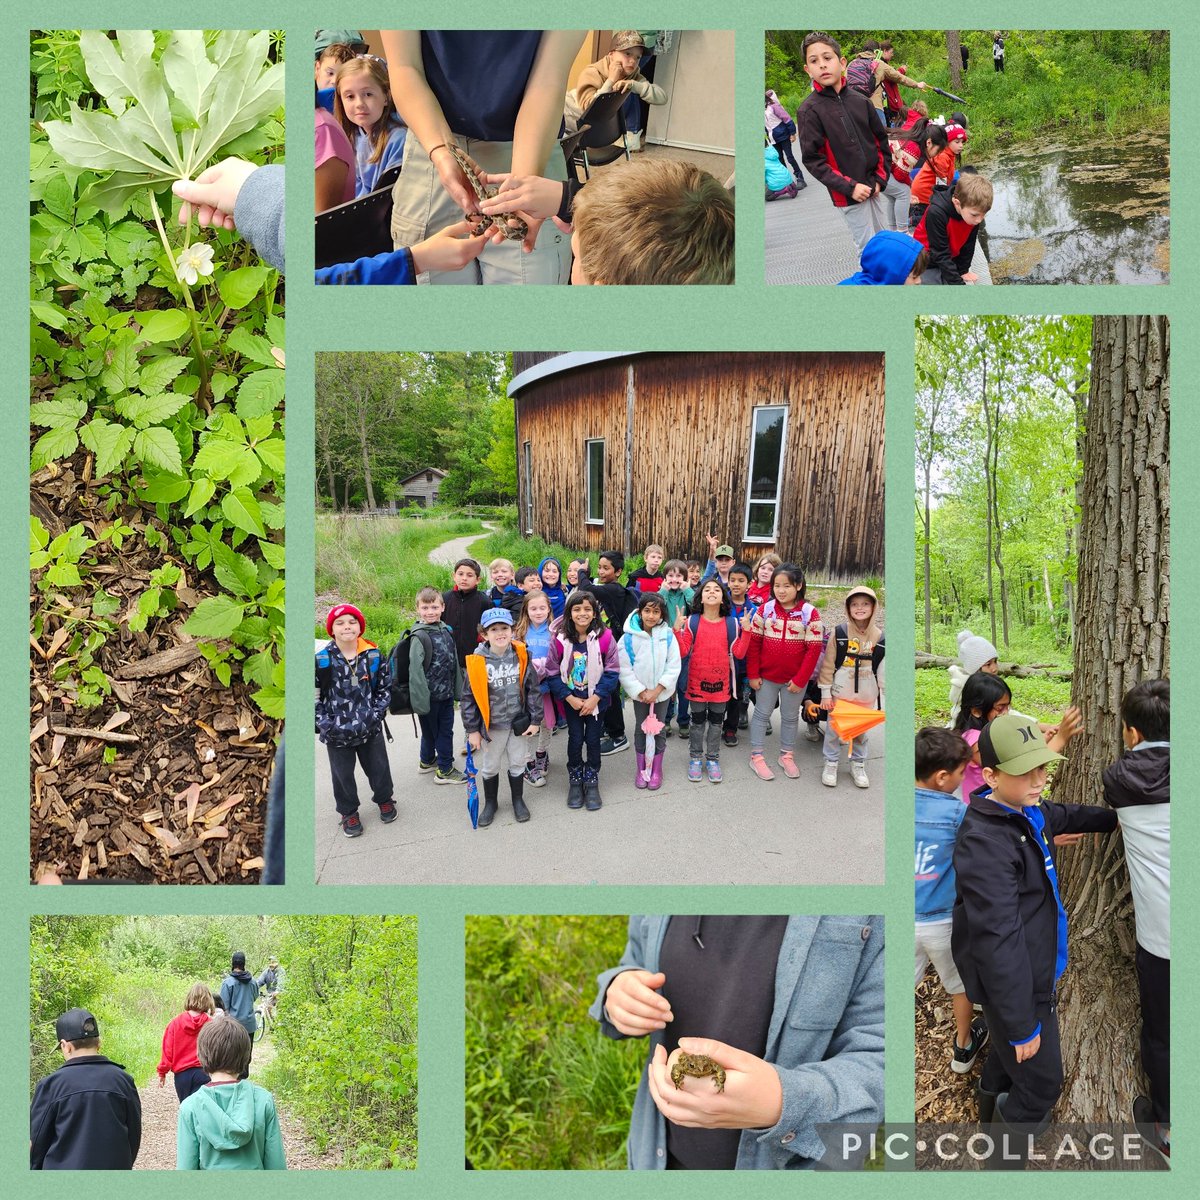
(941, 760)
(695, 571)
(465, 605)
(1138, 786)
(1009, 938)
(501, 704)
(504, 593)
(648, 578)
(230, 1124)
(738, 579)
(528, 580)
(653, 222)
(617, 71)
(434, 684)
(616, 603)
(950, 227)
(354, 685)
(721, 559)
(843, 143)
(678, 596)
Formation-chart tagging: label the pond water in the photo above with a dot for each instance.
(1093, 213)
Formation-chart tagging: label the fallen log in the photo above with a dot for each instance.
(160, 664)
(1017, 670)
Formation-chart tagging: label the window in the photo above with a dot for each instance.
(527, 463)
(594, 452)
(768, 440)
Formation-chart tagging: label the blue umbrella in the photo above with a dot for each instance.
(472, 790)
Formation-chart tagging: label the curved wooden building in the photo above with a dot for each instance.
(768, 450)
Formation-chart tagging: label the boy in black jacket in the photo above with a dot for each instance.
(950, 227)
(465, 606)
(1009, 935)
(842, 141)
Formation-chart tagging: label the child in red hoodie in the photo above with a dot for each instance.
(711, 638)
(179, 1043)
(785, 644)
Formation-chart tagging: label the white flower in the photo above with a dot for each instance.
(195, 261)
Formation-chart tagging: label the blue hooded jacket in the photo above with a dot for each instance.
(555, 594)
(886, 259)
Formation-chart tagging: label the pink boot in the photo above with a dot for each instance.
(639, 775)
(656, 770)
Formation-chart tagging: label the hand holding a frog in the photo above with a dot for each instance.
(752, 1097)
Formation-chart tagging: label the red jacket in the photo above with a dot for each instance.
(785, 647)
(179, 1043)
(709, 670)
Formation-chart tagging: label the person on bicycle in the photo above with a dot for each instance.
(271, 982)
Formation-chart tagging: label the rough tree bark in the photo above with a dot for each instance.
(954, 55)
(1122, 637)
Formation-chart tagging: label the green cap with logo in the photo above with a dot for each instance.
(1014, 744)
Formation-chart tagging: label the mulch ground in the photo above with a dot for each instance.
(184, 799)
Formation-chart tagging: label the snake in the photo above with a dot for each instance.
(509, 224)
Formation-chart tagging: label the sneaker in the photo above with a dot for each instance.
(829, 774)
(534, 776)
(963, 1058)
(685, 729)
(453, 775)
(858, 773)
(714, 771)
(743, 722)
(423, 767)
(729, 738)
(788, 762)
(695, 770)
(811, 732)
(352, 826)
(542, 757)
(758, 765)
(613, 745)
(387, 812)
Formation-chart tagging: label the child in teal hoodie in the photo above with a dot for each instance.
(228, 1125)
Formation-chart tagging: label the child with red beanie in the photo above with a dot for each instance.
(354, 686)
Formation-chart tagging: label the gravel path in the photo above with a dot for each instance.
(160, 1112)
(456, 548)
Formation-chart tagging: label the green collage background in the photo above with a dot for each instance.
(746, 316)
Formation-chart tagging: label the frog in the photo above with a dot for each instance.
(509, 224)
(697, 1065)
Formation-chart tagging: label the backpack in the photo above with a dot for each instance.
(842, 652)
(860, 76)
(324, 677)
(399, 660)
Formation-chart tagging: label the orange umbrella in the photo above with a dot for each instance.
(850, 720)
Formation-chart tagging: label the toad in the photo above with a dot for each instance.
(697, 1065)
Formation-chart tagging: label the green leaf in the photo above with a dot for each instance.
(104, 604)
(121, 373)
(59, 197)
(239, 287)
(216, 617)
(260, 393)
(63, 574)
(220, 384)
(109, 442)
(271, 453)
(251, 346)
(165, 325)
(272, 514)
(165, 489)
(253, 631)
(242, 511)
(54, 444)
(258, 668)
(62, 410)
(271, 701)
(202, 492)
(49, 314)
(221, 458)
(127, 242)
(273, 553)
(189, 72)
(159, 372)
(234, 571)
(151, 410)
(157, 448)
(39, 536)
(91, 243)
(104, 143)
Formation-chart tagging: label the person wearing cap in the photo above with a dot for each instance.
(975, 653)
(617, 71)
(500, 704)
(720, 561)
(271, 981)
(87, 1115)
(1009, 932)
(331, 48)
(354, 686)
(239, 990)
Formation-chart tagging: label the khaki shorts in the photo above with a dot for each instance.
(421, 207)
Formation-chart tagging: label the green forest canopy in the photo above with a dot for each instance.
(381, 416)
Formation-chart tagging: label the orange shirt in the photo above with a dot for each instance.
(940, 170)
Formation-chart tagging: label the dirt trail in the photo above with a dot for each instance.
(160, 1112)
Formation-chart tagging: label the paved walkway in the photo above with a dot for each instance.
(807, 241)
(451, 551)
(740, 831)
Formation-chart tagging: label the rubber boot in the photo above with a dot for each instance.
(491, 790)
(1012, 1142)
(656, 770)
(575, 790)
(516, 784)
(639, 774)
(986, 1102)
(591, 789)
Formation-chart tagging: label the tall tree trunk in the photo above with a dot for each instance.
(364, 439)
(1123, 636)
(990, 483)
(954, 55)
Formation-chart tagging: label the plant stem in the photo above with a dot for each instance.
(193, 316)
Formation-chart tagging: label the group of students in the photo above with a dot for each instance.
(879, 159)
(541, 650)
(477, 100)
(87, 1115)
(989, 908)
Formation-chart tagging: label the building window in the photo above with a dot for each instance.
(768, 441)
(527, 463)
(594, 451)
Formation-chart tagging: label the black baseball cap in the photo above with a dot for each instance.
(75, 1025)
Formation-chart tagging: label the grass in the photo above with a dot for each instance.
(133, 1015)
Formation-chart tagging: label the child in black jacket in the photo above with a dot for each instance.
(950, 227)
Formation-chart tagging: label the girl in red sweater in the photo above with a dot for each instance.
(179, 1043)
(710, 639)
(785, 644)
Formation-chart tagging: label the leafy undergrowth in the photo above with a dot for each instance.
(157, 462)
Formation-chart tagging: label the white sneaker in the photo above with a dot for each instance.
(829, 774)
(858, 773)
